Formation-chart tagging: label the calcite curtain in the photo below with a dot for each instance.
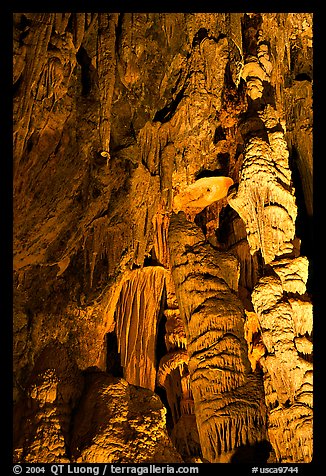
(162, 237)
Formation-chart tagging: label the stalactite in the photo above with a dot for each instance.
(152, 139)
(256, 348)
(214, 53)
(160, 229)
(175, 336)
(33, 70)
(104, 240)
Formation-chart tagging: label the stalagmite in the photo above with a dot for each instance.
(293, 274)
(289, 369)
(53, 388)
(127, 424)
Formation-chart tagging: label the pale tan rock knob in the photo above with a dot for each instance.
(202, 193)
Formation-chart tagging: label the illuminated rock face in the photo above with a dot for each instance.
(120, 423)
(286, 328)
(205, 281)
(53, 389)
(162, 237)
(265, 199)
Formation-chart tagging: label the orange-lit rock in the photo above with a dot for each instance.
(218, 360)
(252, 332)
(136, 317)
(202, 193)
(170, 362)
(53, 389)
(289, 367)
(162, 237)
(120, 423)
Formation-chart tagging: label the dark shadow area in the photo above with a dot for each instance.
(303, 77)
(219, 135)
(250, 26)
(118, 33)
(199, 36)
(113, 361)
(85, 62)
(151, 259)
(17, 85)
(161, 349)
(252, 454)
(166, 113)
(250, 125)
(200, 220)
(301, 63)
(268, 94)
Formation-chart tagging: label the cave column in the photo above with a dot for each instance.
(228, 399)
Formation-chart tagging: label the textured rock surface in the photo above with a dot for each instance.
(218, 356)
(119, 120)
(120, 423)
(289, 368)
(279, 335)
(136, 316)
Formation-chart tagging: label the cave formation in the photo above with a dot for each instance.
(162, 237)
